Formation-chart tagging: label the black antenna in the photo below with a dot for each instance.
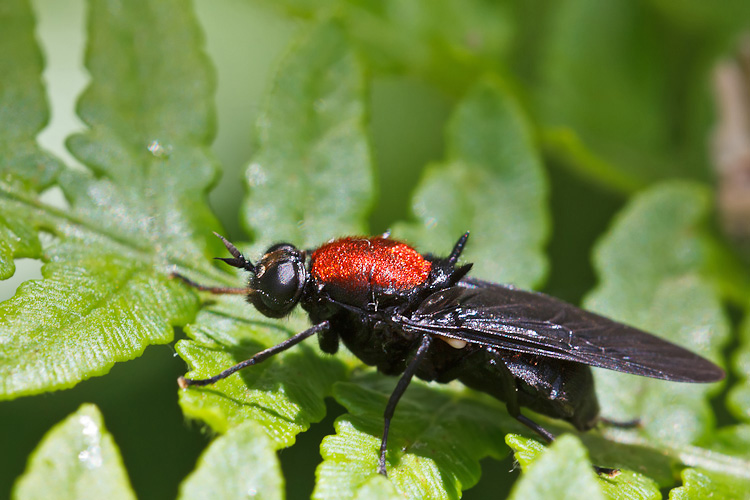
(239, 260)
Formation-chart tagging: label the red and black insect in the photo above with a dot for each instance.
(413, 314)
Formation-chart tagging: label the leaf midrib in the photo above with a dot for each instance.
(53, 215)
(694, 456)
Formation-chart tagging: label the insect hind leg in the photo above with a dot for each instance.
(620, 424)
(549, 437)
(543, 433)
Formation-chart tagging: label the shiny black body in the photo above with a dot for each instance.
(526, 349)
(386, 339)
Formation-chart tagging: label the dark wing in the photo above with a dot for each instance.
(519, 321)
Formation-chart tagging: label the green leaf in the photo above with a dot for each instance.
(91, 310)
(563, 471)
(631, 83)
(23, 109)
(738, 400)
(77, 460)
(440, 432)
(449, 43)
(151, 119)
(721, 468)
(732, 440)
(491, 183)
(240, 464)
(567, 146)
(697, 15)
(106, 293)
(437, 437)
(344, 475)
(628, 485)
(377, 488)
(650, 265)
(284, 394)
(24, 167)
(698, 485)
(311, 177)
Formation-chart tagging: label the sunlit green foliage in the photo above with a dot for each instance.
(596, 113)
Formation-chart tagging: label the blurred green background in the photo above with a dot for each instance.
(408, 113)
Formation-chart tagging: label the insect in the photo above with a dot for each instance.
(410, 314)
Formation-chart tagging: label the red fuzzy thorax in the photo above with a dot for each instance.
(358, 265)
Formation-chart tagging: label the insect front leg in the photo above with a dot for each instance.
(390, 408)
(261, 356)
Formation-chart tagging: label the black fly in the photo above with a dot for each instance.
(413, 314)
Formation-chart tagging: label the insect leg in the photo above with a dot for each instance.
(403, 383)
(212, 289)
(549, 437)
(261, 356)
(543, 433)
(620, 424)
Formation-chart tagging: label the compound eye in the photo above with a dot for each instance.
(279, 284)
(278, 281)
